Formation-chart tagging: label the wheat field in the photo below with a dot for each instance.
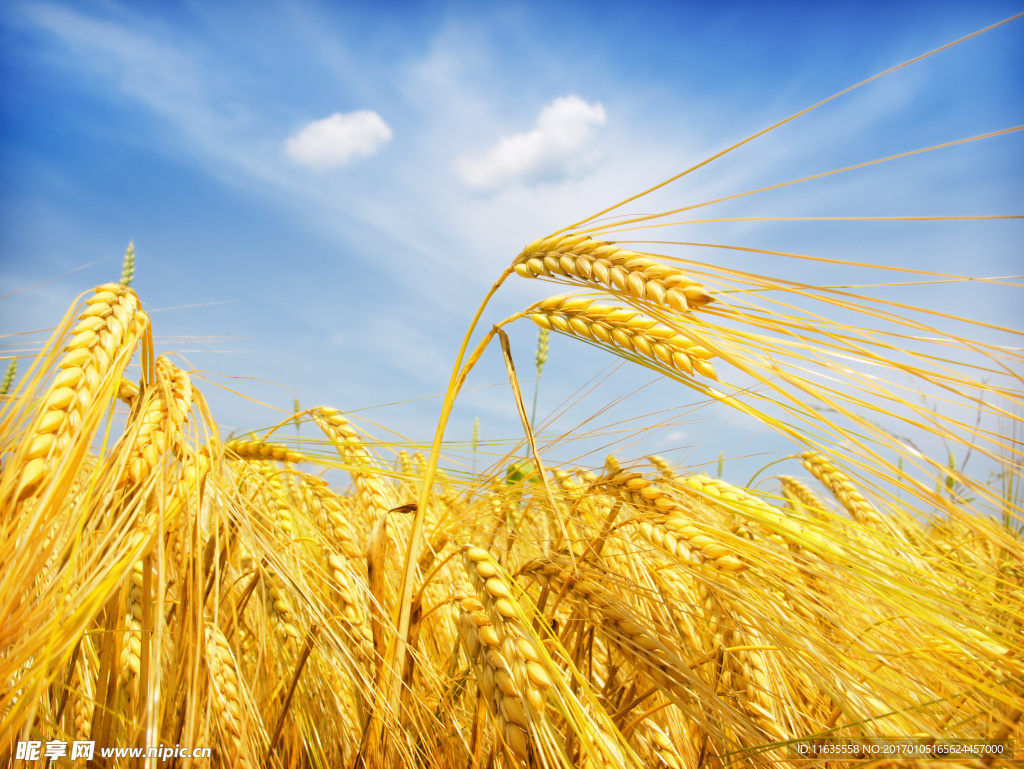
(162, 584)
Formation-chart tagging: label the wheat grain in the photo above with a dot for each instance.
(127, 391)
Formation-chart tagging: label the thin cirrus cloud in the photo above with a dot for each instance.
(560, 147)
(338, 140)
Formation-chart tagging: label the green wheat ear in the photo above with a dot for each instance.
(540, 359)
(12, 370)
(476, 439)
(295, 419)
(128, 267)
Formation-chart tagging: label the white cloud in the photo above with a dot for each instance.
(673, 438)
(558, 148)
(338, 139)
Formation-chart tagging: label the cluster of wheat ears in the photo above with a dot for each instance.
(162, 586)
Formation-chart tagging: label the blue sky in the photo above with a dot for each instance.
(327, 190)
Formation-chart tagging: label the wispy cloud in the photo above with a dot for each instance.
(339, 139)
(560, 147)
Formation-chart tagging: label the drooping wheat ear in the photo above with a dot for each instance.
(340, 528)
(131, 650)
(842, 488)
(419, 461)
(673, 528)
(226, 695)
(663, 466)
(625, 328)
(651, 651)
(12, 371)
(744, 671)
(800, 495)
(578, 258)
(263, 450)
(352, 449)
(128, 266)
(678, 537)
(725, 496)
(160, 422)
(782, 529)
(107, 332)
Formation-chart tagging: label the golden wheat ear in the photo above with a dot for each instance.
(580, 260)
(624, 330)
(101, 345)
